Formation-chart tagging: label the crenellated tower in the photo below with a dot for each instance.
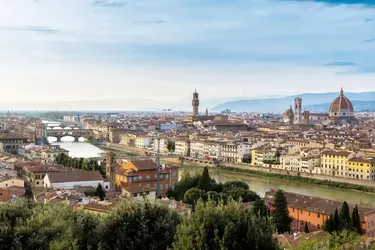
(297, 110)
(195, 104)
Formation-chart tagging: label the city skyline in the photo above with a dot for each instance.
(57, 51)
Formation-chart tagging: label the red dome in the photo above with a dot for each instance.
(341, 106)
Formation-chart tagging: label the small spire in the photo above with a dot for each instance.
(341, 92)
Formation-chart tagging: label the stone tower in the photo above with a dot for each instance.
(195, 103)
(297, 110)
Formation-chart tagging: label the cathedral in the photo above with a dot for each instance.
(341, 112)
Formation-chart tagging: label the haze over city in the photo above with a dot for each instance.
(59, 51)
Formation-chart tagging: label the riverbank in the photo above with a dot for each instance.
(105, 147)
(288, 177)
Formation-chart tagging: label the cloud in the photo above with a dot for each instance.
(369, 20)
(109, 3)
(340, 64)
(369, 40)
(346, 2)
(38, 29)
(149, 22)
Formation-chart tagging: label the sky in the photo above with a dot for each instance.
(161, 50)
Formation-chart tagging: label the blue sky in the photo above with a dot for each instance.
(56, 50)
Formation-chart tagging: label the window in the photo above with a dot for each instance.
(166, 176)
(156, 176)
(148, 185)
(293, 209)
(318, 226)
(37, 183)
(318, 215)
(161, 186)
(301, 211)
(155, 185)
(166, 186)
(147, 177)
(140, 178)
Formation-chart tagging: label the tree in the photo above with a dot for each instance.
(171, 146)
(204, 181)
(236, 184)
(356, 220)
(336, 220)
(138, 225)
(100, 192)
(222, 226)
(329, 224)
(345, 220)
(260, 209)
(193, 195)
(28, 192)
(187, 181)
(280, 215)
(306, 229)
(85, 164)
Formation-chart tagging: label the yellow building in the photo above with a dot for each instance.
(361, 168)
(335, 163)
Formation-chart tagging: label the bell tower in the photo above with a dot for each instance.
(297, 110)
(195, 104)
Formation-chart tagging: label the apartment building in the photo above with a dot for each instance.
(197, 149)
(361, 168)
(229, 152)
(212, 150)
(335, 163)
(142, 141)
(182, 147)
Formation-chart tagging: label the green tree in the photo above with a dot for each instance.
(171, 146)
(138, 225)
(187, 181)
(100, 192)
(28, 191)
(235, 184)
(306, 229)
(329, 224)
(356, 220)
(193, 195)
(85, 164)
(280, 214)
(222, 226)
(345, 220)
(205, 180)
(260, 209)
(336, 220)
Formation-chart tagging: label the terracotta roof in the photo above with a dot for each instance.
(138, 189)
(341, 103)
(74, 176)
(315, 204)
(144, 164)
(336, 153)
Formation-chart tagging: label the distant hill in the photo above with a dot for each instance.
(364, 101)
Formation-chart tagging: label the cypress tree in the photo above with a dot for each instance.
(356, 220)
(336, 221)
(329, 224)
(281, 216)
(100, 192)
(306, 229)
(345, 220)
(204, 181)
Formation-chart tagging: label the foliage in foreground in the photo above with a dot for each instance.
(132, 225)
(221, 226)
(344, 241)
(343, 221)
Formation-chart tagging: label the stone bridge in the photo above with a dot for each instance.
(76, 133)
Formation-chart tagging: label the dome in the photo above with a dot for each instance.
(341, 107)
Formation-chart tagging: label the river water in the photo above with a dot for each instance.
(77, 149)
(261, 185)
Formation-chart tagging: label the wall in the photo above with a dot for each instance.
(11, 183)
(71, 185)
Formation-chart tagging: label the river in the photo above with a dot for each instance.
(77, 149)
(261, 185)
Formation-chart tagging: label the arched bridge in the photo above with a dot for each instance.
(76, 133)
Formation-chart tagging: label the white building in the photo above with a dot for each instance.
(243, 151)
(139, 193)
(182, 147)
(211, 150)
(70, 180)
(162, 144)
(197, 149)
(142, 141)
(309, 164)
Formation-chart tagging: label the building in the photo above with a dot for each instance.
(142, 141)
(197, 149)
(12, 143)
(35, 172)
(182, 147)
(73, 179)
(288, 116)
(12, 182)
(341, 110)
(297, 110)
(138, 192)
(361, 168)
(143, 173)
(335, 163)
(312, 210)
